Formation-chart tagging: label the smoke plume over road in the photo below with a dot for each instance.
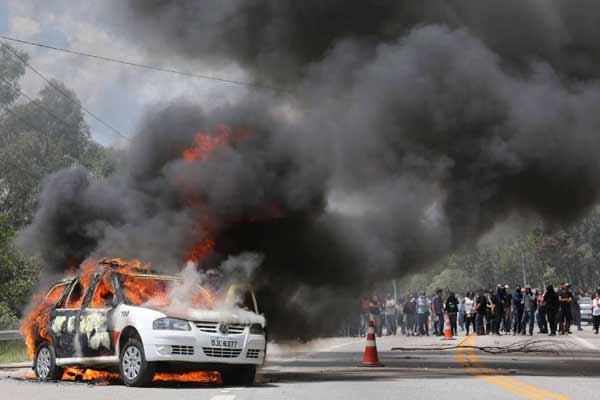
(405, 130)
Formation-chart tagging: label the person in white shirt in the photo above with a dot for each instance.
(596, 311)
(468, 303)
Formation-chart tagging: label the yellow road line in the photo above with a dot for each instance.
(474, 366)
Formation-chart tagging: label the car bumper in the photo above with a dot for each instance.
(196, 347)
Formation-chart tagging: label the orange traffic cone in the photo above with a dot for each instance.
(447, 328)
(371, 359)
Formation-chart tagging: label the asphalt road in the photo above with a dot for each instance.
(328, 369)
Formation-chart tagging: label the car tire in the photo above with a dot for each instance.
(242, 375)
(134, 369)
(44, 363)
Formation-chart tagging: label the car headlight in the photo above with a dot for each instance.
(256, 329)
(171, 324)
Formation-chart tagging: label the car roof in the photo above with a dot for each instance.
(150, 276)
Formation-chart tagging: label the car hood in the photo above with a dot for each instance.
(230, 316)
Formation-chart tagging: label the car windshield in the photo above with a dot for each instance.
(164, 291)
(146, 289)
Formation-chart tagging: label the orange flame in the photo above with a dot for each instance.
(205, 145)
(106, 377)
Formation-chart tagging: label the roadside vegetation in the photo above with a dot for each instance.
(38, 136)
(537, 258)
(13, 351)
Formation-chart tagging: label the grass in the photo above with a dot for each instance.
(13, 351)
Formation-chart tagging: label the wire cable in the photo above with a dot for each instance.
(23, 120)
(39, 104)
(65, 95)
(146, 66)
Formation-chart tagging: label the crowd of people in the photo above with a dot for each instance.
(483, 312)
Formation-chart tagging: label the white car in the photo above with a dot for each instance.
(110, 322)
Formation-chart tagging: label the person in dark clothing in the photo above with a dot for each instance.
(437, 304)
(565, 297)
(481, 309)
(541, 312)
(410, 313)
(507, 322)
(517, 309)
(498, 302)
(576, 308)
(451, 307)
(551, 303)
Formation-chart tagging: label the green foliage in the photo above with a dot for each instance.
(11, 70)
(453, 280)
(37, 138)
(13, 351)
(538, 258)
(18, 275)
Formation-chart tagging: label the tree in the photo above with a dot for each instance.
(37, 138)
(18, 274)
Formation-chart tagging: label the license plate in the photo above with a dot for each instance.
(223, 342)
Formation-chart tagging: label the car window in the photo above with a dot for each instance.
(104, 294)
(75, 297)
(139, 290)
(55, 292)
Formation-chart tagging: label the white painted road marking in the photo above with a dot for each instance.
(585, 343)
(223, 397)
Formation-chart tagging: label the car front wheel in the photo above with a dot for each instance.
(135, 370)
(44, 363)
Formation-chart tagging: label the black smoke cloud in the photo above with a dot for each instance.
(276, 39)
(411, 129)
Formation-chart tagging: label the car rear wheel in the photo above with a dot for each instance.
(135, 370)
(44, 363)
(239, 375)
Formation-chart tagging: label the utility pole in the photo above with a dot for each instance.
(523, 268)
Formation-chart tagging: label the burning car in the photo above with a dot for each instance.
(114, 316)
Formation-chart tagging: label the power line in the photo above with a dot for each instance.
(23, 120)
(39, 104)
(145, 66)
(62, 92)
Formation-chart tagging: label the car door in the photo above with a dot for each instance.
(64, 319)
(95, 322)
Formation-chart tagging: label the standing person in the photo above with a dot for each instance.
(551, 302)
(517, 305)
(461, 312)
(390, 315)
(364, 315)
(529, 307)
(541, 311)
(498, 302)
(423, 306)
(481, 310)
(576, 308)
(400, 320)
(410, 315)
(596, 311)
(437, 304)
(490, 315)
(451, 307)
(469, 304)
(565, 298)
(507, 319)
(375, 313)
